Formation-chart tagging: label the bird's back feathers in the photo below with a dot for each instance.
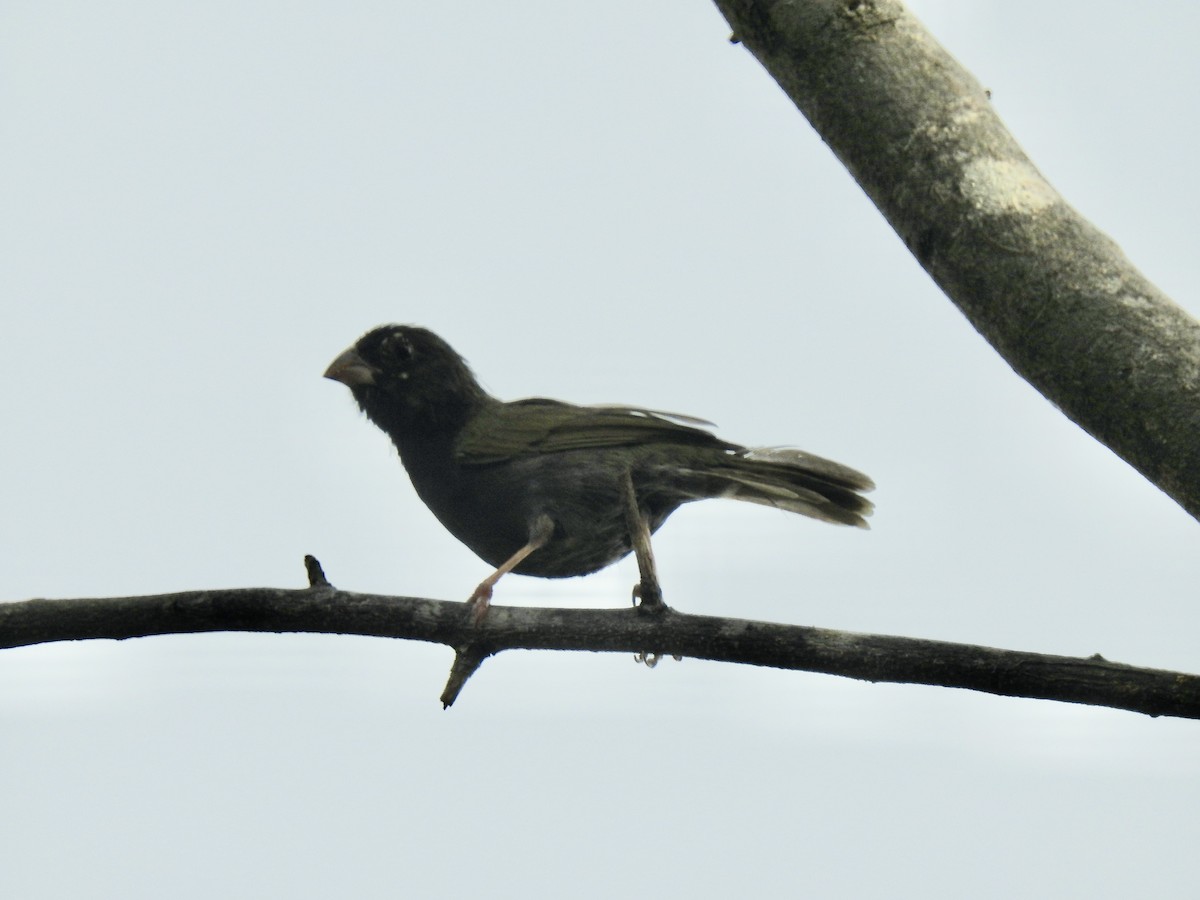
(782, 477)
(538, 425)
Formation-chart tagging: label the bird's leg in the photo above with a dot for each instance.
(646, 590)
(540, 532)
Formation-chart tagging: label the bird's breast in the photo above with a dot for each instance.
(491, 508)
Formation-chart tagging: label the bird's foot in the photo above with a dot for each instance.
(647, 596)
(480, 602)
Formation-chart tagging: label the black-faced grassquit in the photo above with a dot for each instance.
(545, 488)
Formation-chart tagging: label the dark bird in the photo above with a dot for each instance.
(545, 488)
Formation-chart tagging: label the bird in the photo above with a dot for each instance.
(552, 489)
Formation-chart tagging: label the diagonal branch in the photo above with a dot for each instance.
(1052, 294)
(324, 609)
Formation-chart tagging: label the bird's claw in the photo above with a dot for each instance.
(479, 603)
(649, 594)
(650, 660)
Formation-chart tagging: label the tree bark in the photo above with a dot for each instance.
(1052, 294)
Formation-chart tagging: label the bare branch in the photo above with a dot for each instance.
(1055, 297)
(1093, 681)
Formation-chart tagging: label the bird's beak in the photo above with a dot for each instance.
(351, 370)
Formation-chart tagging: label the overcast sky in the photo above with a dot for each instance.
(201, 204)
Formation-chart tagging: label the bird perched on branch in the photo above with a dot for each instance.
(545, 488)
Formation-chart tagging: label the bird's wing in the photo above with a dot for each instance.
(537, 425)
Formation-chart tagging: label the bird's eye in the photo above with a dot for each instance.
(397, 347)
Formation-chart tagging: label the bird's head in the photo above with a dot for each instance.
(407, 378)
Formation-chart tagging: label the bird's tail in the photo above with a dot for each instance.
(788, 479)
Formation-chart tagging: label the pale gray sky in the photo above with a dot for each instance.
(202, 204)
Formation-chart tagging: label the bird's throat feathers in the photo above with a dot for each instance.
(420, 416)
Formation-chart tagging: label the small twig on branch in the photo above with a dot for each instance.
(316, 575)
(467, 659)
(1094, 681)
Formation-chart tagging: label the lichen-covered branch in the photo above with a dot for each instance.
(1054, 296)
